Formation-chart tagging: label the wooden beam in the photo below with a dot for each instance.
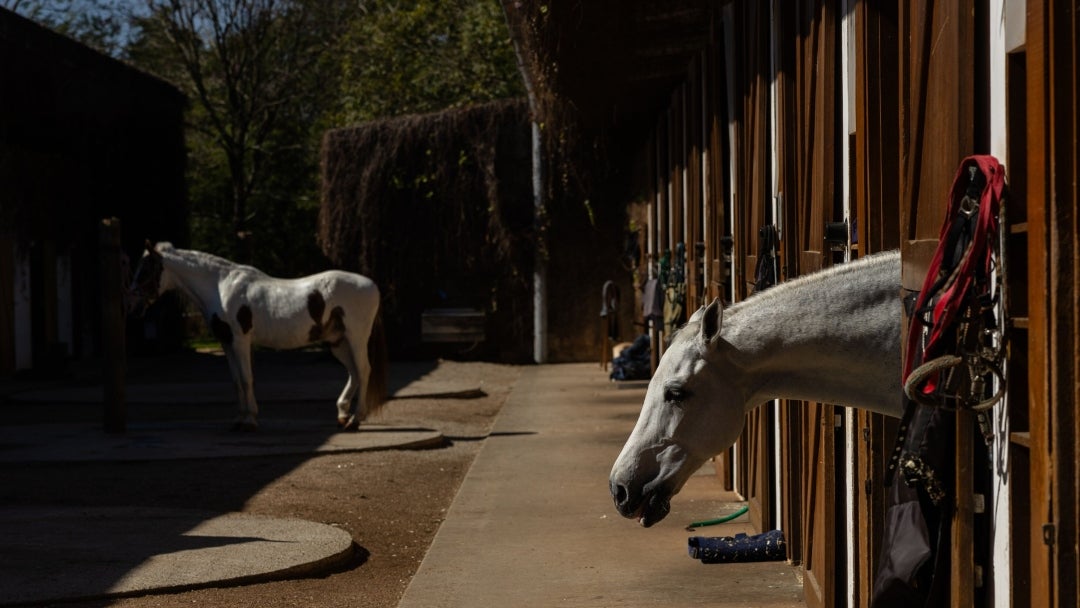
(112, 326)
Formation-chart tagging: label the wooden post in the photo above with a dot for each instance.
(112, 326)
(654, 345)
(605, 345)
(962, 577)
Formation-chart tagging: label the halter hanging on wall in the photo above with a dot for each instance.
(960, 347)
(767, 272)
(836, 235)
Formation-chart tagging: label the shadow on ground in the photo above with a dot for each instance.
(118, 502)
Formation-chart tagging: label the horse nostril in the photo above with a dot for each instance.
(618, 491)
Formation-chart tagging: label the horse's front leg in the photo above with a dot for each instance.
(239, 355)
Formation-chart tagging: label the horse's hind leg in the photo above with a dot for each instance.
(363, 368)
(345, 404)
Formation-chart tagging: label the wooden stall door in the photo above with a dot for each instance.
(808, 180)
(717, 229)
(819, 501)
(759, 451)
(749, 42)
(695, 186)
(877, 215)
(717, 184)
(813, 181)
(1020, 373)
(943, 118)
(938, 124)
(1053, 248)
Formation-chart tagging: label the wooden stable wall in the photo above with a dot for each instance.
(943, 118)
(82, 137)
(1050, 68)
(779, 123)
(736, 150)
(876, 204)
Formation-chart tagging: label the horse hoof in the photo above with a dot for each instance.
(244, 427)
(352, 424)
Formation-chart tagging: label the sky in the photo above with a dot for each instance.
(73, 17)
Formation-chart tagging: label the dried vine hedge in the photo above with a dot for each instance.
(437, 209)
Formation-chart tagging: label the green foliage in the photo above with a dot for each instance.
(414, 56)
(266, 78)
(261, 80)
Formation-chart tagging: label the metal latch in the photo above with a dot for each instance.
(1048, 531)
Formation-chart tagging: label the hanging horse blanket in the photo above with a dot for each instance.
(652, 301)
(913, 569)
(634, 362)
(609, 308)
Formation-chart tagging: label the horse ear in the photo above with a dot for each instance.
(712, 319)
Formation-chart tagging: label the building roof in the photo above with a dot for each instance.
(615, 61)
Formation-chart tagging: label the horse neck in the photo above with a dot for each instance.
(836, 340)
(197, 275)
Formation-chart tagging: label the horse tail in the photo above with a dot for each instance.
(376, 396)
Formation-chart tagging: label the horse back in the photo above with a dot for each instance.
(338, 284)
(288, 313)
(350, 294)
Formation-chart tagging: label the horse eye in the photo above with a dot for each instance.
(675, 394)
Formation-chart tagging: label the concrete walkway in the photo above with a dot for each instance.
(533, 523)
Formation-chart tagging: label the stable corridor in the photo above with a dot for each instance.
(533, 523)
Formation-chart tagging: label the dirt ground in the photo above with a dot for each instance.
(391, 502)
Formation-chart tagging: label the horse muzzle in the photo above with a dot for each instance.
(646, 508)
(643, 480)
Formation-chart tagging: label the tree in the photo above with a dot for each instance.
(410, 56)
(256, 74)
(266, 78)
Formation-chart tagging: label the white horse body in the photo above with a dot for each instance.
(244, 306)
(832, 337)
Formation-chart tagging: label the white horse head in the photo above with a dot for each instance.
(831, 337)
(682, 422)
(146, 284)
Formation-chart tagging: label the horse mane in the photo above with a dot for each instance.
(851, 274)
(191, 258)
(857, 270)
